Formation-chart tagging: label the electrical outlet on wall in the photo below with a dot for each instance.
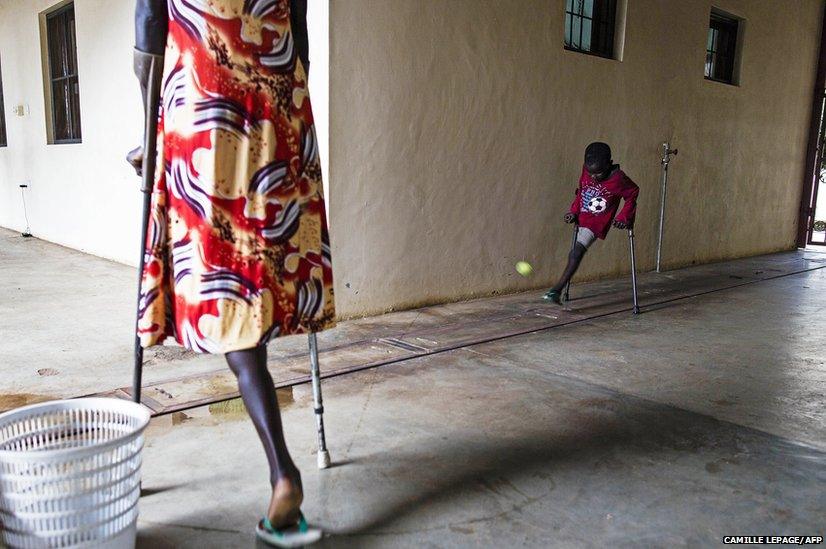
(21, 110)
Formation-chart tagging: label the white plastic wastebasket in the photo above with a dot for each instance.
(70, 473)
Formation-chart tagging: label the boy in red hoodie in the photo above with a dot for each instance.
(601, 186)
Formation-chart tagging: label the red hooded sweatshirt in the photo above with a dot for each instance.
(597, 202)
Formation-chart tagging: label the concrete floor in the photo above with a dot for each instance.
(701, 418)
(697, 420)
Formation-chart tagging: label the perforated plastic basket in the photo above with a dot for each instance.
(70, 473)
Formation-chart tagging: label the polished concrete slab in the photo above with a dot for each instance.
(694, 421)
(702, 417)
(449, 453)
(84, 320)
(67, 324)
(754, 355)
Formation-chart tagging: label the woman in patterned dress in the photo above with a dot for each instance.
(237, 252)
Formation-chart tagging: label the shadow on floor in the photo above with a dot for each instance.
(605, 436)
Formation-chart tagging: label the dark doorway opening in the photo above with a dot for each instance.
(816, 223)
(811, 228)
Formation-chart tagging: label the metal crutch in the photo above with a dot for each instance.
(573, 243)
(150, 143)
(318, 406)
(633, 270)
(667, 152)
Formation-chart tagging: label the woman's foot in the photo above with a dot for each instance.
(285, 505)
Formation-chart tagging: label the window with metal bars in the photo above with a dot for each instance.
(721, 48)
(65, 91)
(590, 26)
(3, 139)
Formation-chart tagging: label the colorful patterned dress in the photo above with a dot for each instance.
(238, 251)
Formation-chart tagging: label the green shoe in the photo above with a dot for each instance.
(296, 536)
(554, 296)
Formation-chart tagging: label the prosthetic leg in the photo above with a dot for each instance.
(633, 270)
(149, 70)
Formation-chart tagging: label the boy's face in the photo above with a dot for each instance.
(598, 169)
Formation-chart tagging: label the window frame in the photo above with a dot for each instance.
(4, 134)
(67, 50)
(729, 28)
(609, 23)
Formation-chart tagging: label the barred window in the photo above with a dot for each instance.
(721, 48)
(65, 90)
(590, 26)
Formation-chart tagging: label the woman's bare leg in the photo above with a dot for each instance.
(258, 393)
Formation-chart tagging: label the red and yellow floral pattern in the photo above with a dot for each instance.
(238, 251)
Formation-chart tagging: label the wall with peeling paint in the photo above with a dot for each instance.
(457, 131)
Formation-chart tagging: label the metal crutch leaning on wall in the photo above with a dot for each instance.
(667, 152)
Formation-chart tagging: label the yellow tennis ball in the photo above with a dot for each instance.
(524, 268)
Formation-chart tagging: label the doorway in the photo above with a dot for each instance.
(811, 227)
(816, 210)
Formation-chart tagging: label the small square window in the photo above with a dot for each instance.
(590, 26)
(721, 48)
(62, 75)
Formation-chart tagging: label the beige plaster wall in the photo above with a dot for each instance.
(457, 129)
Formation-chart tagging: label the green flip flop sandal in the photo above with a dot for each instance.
(299, 535)
(553, 296)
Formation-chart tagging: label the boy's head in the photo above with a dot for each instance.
(598, 159)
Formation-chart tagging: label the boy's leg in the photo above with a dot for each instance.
(585, 237)
(574, 259)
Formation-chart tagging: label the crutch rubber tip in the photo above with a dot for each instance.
(636, 310)
(323, 459)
